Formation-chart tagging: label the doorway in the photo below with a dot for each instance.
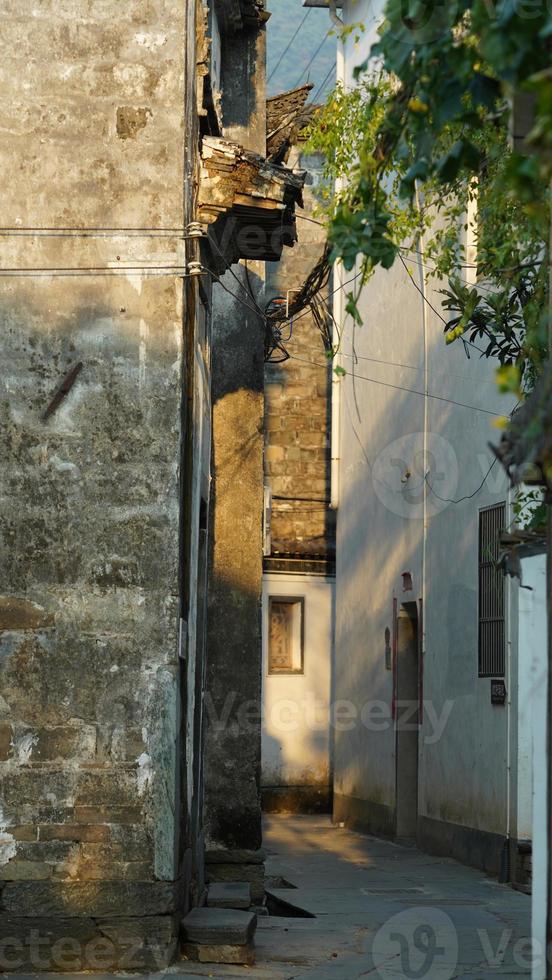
(407, 721)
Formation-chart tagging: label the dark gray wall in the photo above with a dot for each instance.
(233, 743)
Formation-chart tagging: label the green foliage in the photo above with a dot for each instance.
(530, 510)
(414, 147)
(373, 215)
(422, 153)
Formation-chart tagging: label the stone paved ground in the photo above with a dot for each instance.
(381, 911)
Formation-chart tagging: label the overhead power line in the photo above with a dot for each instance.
(61, 232)
(313, 59)
(412, 391)
(321, 87)
(467, 496)
(121, 270)
(411, 367)
(288, 46)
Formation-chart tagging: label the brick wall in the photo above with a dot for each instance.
(298, 405)
(92, 122)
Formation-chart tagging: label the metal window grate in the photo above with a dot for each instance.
(492, 631)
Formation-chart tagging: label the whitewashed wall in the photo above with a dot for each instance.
(296, 735)
(533, 691)
(383, 531)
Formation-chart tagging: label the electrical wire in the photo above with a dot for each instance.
(412, 391)
(333, 292)
(288, 46)
(212, 241)
(412, 367)
(238, 299)
(320, 88)
(317, 280)
(468, 496)
(415, 284)
(109, 271)
(302, 306)
(272, 342)
(323, 320)
(303, 217)
(466, 343)
(61, 232)
(474, 265)
(313, 59)
(433, 268)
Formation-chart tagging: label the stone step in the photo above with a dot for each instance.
(229, 895)
(198, 953)
(215, 935)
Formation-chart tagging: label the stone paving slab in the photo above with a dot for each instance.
(365, 892)
(358, 885)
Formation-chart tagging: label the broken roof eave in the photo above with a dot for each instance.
(286, 114)
(246, 203)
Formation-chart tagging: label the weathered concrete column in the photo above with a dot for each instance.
(233, 745)
(233, 739)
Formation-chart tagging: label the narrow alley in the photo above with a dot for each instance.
(276, 489)
(379, 910)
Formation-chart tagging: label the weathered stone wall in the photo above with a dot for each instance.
(92, 117)
(233, 740)
(233, 749)
(298, 405)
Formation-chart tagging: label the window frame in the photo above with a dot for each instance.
(291, 600)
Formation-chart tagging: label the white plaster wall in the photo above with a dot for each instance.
(296, 731)
(532, 674)
(533, 688)
(463, 768)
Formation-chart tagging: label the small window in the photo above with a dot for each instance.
(285, 635)
(492, 628)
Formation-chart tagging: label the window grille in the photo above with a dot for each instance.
(492, 627)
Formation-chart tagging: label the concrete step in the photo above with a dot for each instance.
(229, 895)
(215, 935)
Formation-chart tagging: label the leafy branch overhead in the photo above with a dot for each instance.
(424, 148)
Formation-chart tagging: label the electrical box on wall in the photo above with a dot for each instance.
(498, 691)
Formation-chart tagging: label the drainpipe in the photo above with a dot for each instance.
(335, 436)
(421, 263)
(334, 15)
(339, 310)
(511, 798)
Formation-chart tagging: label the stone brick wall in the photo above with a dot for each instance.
(91, 118)
(298, 405)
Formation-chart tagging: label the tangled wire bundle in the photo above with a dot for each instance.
(280, 313)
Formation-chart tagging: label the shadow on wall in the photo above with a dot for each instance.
(233, 716)
(295, 391)
(380, 536)
(233, 749)
(89, 526)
